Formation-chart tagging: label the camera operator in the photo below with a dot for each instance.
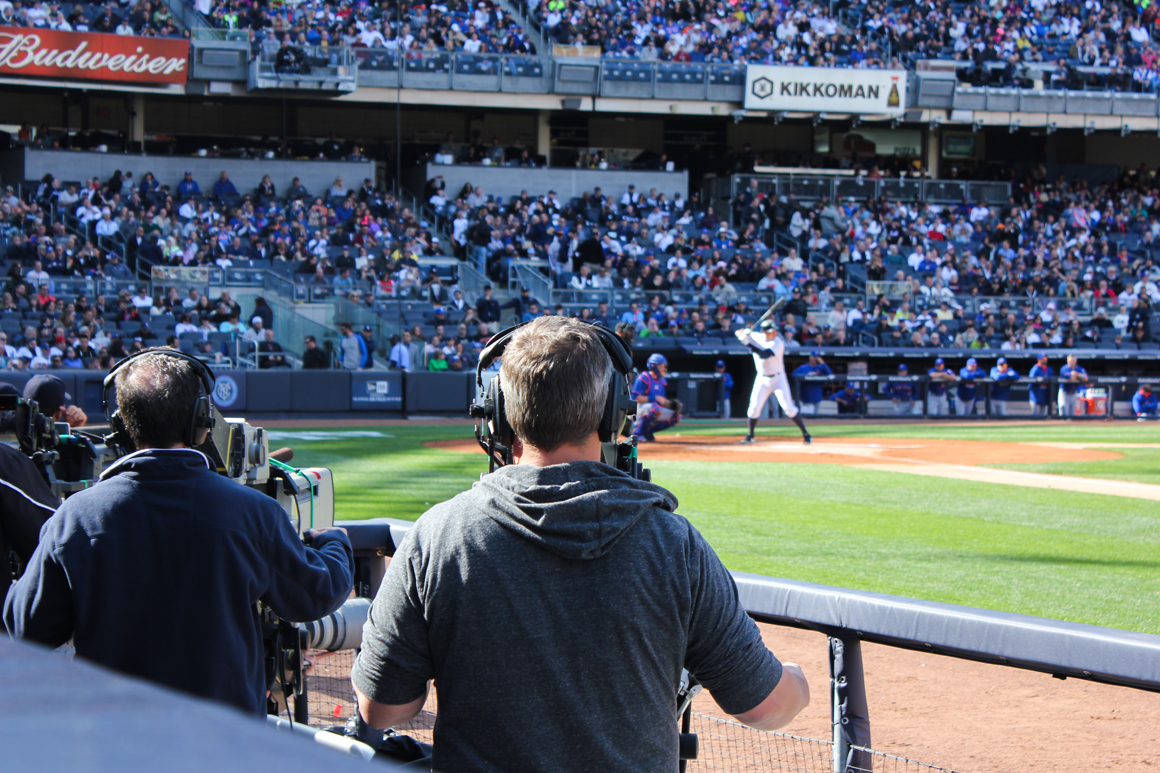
(563, 595)
(26, 502)
(155, 570)
(52, 400)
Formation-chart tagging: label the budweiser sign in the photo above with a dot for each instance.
(47, 53)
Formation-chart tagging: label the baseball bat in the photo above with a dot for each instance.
(773, 307)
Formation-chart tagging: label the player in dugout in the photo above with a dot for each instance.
(556, 602)
(1145, 403)
(811, 391)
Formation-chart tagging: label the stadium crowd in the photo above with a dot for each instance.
(1062, 264)
(1069, 45)
(402, 26)
(146, 18)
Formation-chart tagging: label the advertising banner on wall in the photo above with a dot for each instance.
(376, 391)
(45, 53)
(824, 89)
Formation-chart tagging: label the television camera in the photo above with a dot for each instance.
(73, 460)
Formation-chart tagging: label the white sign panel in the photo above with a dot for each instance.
(824, 89)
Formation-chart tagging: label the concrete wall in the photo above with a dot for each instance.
(509, 180)
(317, 176)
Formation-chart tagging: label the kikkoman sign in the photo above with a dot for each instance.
(824, 89)
(45, 53)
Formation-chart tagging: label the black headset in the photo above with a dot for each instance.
(202, 417)
(494, 432)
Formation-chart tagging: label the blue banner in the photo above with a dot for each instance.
(376, 391)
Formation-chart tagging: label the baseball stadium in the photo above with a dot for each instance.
(863, 290)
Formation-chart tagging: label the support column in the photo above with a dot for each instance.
(544, 135)
(933, 153)
(137, 121)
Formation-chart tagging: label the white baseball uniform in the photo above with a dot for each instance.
(771, 379)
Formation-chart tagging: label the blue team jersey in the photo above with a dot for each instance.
(811, 391)
(1038, 392)
(848, 399)
(1001, 389)
(1147, 404)
(937, 387)
(649, 385)
(727, 384)
(902, 390)
(967, 385)
(1066, 372)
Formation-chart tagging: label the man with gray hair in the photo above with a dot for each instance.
(154, 571)
(561, 594)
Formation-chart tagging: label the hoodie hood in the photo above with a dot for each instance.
(576, 511)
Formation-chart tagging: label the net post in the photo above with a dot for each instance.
(849, 712)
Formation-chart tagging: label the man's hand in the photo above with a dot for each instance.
(789, 697)
(316, 532)
(75, 416)
(742, 334)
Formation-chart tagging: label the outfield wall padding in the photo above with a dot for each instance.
(439, 392)
(270, 389)
(320, 391)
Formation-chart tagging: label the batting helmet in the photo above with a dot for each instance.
(767, 324)
(656, 359)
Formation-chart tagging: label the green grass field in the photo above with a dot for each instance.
(1081, 557)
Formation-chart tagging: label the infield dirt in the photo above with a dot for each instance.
(959, 459)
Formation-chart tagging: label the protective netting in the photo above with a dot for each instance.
(724, 744)
(730, 746)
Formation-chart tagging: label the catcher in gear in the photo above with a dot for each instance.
(654, 412)
(768, 351)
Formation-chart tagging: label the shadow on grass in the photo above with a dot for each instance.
(1030, 558)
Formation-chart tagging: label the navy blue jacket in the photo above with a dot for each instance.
(155, 570)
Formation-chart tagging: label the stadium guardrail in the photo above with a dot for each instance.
(849, 617)
(813, 184)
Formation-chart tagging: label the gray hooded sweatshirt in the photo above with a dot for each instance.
(555, 608)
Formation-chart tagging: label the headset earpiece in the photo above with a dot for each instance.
(493, 431)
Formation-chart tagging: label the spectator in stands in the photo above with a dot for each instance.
(270, 352)
(313, 356)
(368, 337)
(438, 361)
(188, 187)
(256, 333)
(400, 357)
(352, 348)
(266, 192)
(224, 188)
(297, 192)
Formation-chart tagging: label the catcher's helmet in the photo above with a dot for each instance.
(656, 359)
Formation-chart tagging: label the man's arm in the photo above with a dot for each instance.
(384, 715)
(791, 695)
(727, 655)
(307, 583)
(39, 605)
